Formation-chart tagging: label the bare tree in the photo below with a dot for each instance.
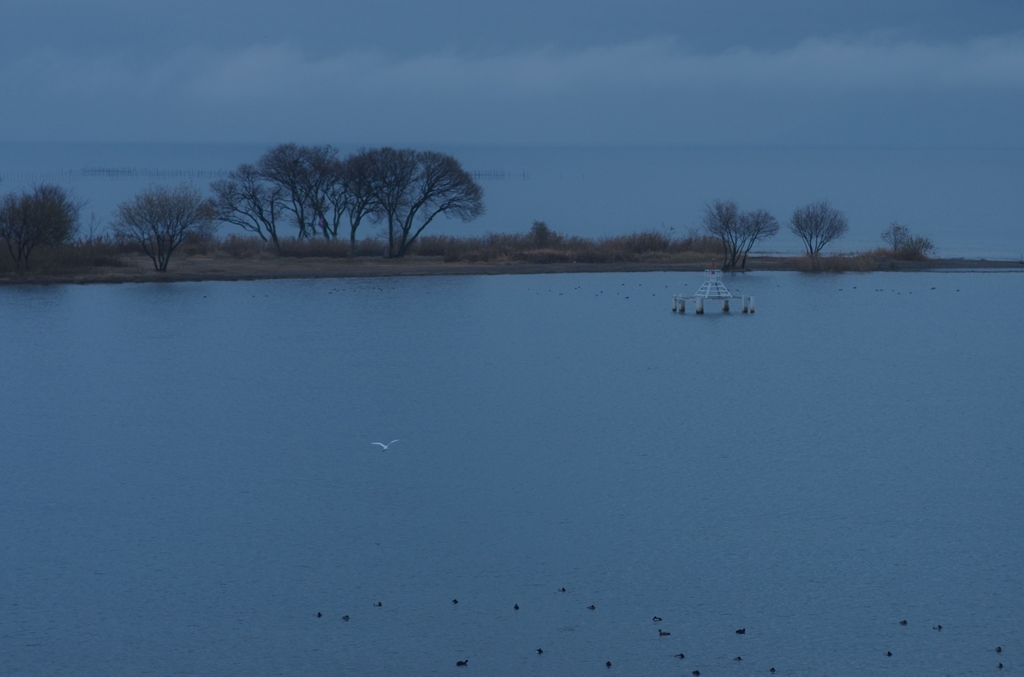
(405, 189)
(755, 225)
(323, 193)
(305, 175)
(441, 186)
(245, 199)
(353, 192)
(159, 219)
(817, 224)
(46, 216)
(722, 220)
(392, 172)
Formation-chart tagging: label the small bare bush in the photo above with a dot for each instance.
(542, 236)
(905, 245)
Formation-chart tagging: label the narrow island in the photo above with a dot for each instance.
(303, 212)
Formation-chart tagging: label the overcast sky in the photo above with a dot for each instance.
(897, 72)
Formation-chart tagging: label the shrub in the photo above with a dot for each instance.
(905, 245)
(542, 237)
(48, 216)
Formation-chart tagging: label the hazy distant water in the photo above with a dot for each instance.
(186, 476)
(969, 201)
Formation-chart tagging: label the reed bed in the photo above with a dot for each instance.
(84, 254)
(853, 262)
(540, 245)
(555, 248)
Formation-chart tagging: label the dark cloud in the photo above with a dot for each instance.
(744, 71)
(404, 27)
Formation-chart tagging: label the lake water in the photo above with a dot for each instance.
(969, 201)
(187, 476)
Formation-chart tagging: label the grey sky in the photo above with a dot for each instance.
(914, 72)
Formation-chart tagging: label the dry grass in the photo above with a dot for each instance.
(252, 247)
(89, 253)
(859, 262)
(553, 247)
(96, 257)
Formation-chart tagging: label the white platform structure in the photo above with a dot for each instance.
(711, 290)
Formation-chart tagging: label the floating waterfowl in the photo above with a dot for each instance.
(607, 664)
(657, 619)
(345, 617)
(903, 622)
(319, 615)
(738, 658)
(377, 604)
(662, 633)
(888, 653)
(540, 650)
(455, 601)
(516, 607)
(462, 664)
(741, 631)
(591, 607)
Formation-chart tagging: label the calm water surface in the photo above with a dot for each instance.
(186, 476)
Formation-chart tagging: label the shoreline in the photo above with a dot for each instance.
(213, 268)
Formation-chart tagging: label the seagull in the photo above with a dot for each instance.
(383, 447)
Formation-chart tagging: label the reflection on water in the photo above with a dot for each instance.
(188, 476)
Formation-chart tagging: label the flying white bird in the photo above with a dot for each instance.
(383, 447)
